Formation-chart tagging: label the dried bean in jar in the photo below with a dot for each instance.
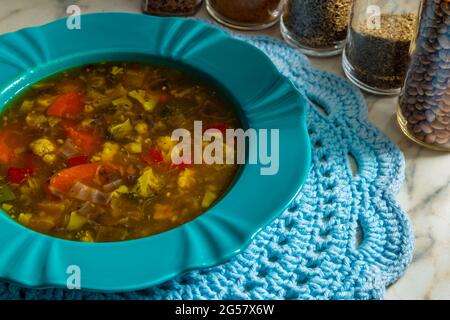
(427, 86)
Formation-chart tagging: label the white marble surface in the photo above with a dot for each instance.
(425, 194)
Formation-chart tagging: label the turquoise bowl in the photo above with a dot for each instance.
(264, 97)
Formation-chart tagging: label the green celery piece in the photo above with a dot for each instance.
(6, 194)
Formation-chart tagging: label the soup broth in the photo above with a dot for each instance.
(86, 155)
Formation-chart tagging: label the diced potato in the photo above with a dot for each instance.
(134, 147)
(76, 221)
(141, 128)
(148, 102)
(27, 106)
(96, 157)
(165, 143)
(87, 123)
(87, 237)
(45, 100)
(208, 198)
(41, 147)
(35, 120)
(186, 178)
(7, 207)
(120, 190)
(109, 151)
(49, 158)
(24, 218)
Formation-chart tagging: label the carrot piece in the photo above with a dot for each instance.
(67, 105)
(86, 141)
(65, 179)
(11, 138)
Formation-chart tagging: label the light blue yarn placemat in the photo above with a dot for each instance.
(312, 251)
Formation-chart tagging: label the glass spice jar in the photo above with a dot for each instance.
(376, 55)
(171, 7)
(316, 27)
(424, 104)
(245, 14)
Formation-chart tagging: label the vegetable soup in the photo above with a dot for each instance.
(86, 155)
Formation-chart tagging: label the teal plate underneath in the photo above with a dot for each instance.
(265, 98)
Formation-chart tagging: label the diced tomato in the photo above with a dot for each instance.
(86, 141)
(75, 161)
(219, 126)
(65, 179)
(153, 156)
(67, 105)
(18, 175)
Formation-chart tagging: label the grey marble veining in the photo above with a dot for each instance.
(425, 194)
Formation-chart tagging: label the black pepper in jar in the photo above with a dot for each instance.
(379, 57)
(171, 7)
(319, 27)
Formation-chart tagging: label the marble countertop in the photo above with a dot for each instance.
(426, 191)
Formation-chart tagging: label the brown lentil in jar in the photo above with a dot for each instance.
(248, 13)
(171, 7)
(424, 105)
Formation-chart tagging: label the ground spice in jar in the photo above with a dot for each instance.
(425, 100)
(248, 11)
(171, 7)
(379, 57)
(317, 23)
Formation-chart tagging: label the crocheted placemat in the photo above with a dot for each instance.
(344, 237)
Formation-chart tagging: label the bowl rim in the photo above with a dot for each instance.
(217, 234)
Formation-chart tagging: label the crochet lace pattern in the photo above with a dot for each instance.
(344, 237)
